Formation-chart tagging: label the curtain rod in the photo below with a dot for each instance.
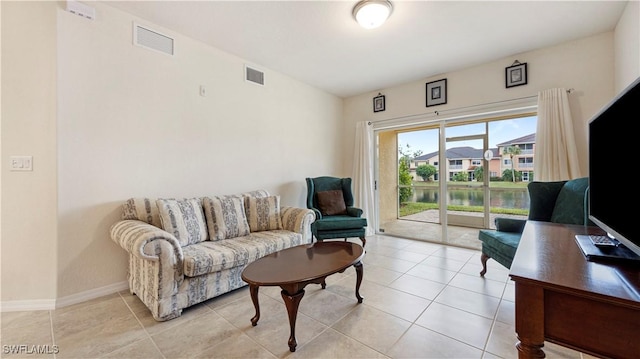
(453, 110)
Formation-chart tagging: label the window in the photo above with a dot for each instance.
(525, 162)
(476, 163)
(526, 148)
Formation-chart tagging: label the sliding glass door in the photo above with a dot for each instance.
(466, 185)
(444, 181)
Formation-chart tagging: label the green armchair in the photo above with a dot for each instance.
(556, 202)
(332, 201)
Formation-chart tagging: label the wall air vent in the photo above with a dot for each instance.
(253, 75)
(151, 39)
(81, 9)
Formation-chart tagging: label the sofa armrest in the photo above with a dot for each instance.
(317, 213)
(512, 225)
(298, 220)
(354, 212)
(146, 241)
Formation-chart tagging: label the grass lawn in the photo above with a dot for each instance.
(417, 207)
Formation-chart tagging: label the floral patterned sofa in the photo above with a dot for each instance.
(185, 251)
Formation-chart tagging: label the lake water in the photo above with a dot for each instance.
(501, 198)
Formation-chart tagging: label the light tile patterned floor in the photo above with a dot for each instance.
(421, 300)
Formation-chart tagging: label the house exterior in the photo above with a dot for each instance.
(467, 159)
(522, 162)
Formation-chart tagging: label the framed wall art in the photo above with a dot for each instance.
(437, 92)
(516, 74)
(378, 103)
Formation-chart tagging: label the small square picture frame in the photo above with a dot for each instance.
(378, 103)
(516, 75)
(436, 92)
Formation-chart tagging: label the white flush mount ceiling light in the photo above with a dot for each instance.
(372, 13)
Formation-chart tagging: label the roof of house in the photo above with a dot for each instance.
(520, 140)
(467, 152)
(458, 152)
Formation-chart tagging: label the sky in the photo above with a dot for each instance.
(499, 132)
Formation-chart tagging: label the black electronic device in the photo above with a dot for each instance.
(613, 187)
(595, 252)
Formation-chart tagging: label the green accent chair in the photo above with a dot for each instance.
(557, 202)
(348, 223)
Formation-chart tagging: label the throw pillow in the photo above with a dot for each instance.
(184, 219)
(263, 213)
(225, 217)
(142, 209)
(331, 202)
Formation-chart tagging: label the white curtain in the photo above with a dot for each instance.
(363, 189)
(556, 154)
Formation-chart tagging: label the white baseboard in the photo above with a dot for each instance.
(91, 294)
(51, 304)
(27, 305)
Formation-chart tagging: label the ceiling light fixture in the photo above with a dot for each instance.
(372, 13)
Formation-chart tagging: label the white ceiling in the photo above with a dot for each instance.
(319, 42)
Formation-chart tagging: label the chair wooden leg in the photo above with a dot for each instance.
(484, 258)
(364, 241)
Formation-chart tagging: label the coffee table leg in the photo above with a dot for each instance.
(292, 302)
(358, 280)
(253, 289)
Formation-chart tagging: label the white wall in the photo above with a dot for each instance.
(586, 65)
(28, 127)
(627, 46)
(131, 122)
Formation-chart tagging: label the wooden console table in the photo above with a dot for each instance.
(592, 307)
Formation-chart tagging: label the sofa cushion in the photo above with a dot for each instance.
(208, 257)
(142, 209)
(331, 202)
(514, 225)
(501, 246)
(263, 214)
(340, 222)
(570, 205)
(256, 193)
(184, 219)
(225, 217)
(544, 195)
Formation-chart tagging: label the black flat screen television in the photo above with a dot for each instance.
(614, 197)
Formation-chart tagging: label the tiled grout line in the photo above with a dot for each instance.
(143, 327)
(493, 322)
(354, 338)
(53, 336)
(483, 349)
(495, 315)
(240, 330)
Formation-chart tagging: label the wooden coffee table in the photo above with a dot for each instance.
(293, 268)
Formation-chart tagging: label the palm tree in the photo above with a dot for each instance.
(512, 151)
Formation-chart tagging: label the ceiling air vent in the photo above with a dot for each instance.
(253, 75)
(151, 39)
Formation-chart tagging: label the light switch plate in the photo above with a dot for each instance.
(21, 163)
